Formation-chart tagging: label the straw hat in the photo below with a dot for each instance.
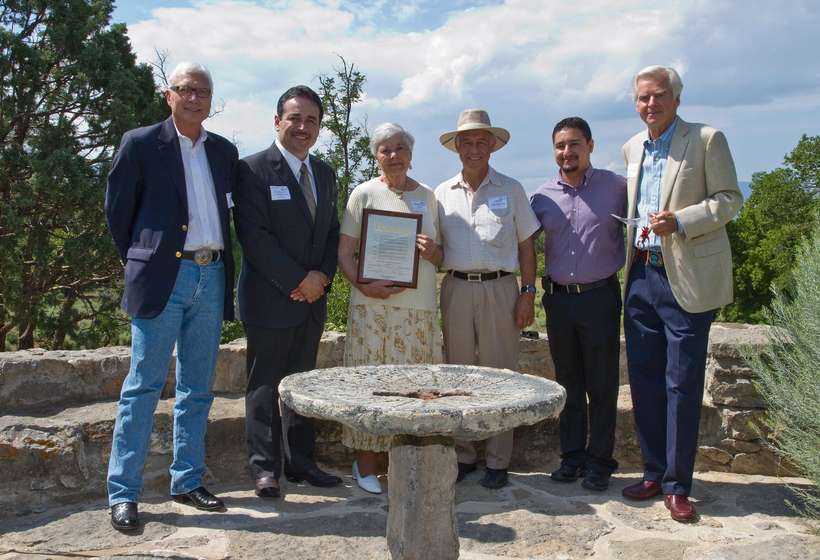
(475, 119)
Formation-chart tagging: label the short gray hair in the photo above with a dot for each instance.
(387, 130)
(186, 69)
(664, 72)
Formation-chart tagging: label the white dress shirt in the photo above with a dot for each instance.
(204, 228)
(295, 165)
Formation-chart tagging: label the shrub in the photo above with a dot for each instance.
(788, 374)
(337, 303)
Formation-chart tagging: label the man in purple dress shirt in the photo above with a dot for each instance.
(583, 251)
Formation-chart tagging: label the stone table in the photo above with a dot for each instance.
(425, 407)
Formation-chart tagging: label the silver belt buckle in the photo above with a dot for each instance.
(203, 256)
(473, 277)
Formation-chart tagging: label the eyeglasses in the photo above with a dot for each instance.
(185, 91)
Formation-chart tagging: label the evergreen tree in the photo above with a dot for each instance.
(348, 152)
(348, 148)
(69, 88)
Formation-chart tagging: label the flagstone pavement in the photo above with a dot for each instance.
(742, 517)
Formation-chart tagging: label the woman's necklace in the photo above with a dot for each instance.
(400, 192)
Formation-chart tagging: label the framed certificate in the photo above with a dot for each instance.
(387, 247)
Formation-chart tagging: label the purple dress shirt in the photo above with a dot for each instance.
(583, 243)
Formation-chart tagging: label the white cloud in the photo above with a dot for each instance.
(529, 62)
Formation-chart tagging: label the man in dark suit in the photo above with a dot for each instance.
(287, 224)
(167, 204)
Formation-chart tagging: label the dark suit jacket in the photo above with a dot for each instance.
(146, 206)
(280, 244)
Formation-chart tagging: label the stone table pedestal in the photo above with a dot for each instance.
(425, 408)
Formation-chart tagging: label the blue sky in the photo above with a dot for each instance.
(748, 67)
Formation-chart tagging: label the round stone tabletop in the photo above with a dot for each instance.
(463, 402)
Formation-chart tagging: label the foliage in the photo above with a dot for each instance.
(231, 330)
(338, 301)
(348, 148)
(780, 213)
(348, 152)
(69, 88)
(787, 373)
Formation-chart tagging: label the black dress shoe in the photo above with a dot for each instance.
(313, 475)
(124, 517)
(494, 478)
(596, 481)
(567, 473)
(200, 498)
(267, 487)
(463, 470)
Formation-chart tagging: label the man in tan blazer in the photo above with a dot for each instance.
(682, 191)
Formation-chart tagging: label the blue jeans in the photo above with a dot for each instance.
(192, 319)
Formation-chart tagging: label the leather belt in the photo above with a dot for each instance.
(203, 257)
(480, 276)
(551, 287)
(655, 258)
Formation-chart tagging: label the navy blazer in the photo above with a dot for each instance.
(280, 242)
(146, 206)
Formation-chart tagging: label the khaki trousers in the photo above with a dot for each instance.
(479, 329)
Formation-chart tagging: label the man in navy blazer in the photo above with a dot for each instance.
(167, 204)
(287, 224)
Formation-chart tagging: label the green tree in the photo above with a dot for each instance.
(69, 88)
(348, 148)
(787, 373)
(348, 152)
(780, 214)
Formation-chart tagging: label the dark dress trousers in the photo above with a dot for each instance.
(146, 206)
(281, 243)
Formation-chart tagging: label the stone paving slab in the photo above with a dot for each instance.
(742, 518)
(61, 459)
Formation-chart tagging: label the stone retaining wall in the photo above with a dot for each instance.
(57, 409)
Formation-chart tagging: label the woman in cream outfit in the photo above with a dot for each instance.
(388, 324)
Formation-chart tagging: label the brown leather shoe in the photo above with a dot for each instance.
(643, 490)
(680, 507)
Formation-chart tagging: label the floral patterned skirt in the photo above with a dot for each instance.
(383, 334)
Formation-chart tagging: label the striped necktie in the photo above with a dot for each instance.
(304, 182)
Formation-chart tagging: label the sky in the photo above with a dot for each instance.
(749, 68)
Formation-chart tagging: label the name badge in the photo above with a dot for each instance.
(497, 202)
(279, 192)
(632, 170)
(229, 197)
(418, 206)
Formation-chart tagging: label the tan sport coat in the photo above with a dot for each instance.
(700, 187)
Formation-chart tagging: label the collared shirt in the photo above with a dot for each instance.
(583, 243)
(204, 227)
(481, 230)
(653, 167)
(295, 165)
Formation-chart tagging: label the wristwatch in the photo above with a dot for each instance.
(528, 289)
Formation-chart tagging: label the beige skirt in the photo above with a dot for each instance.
(383, 334)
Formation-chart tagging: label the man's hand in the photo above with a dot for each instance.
(428, 248)
(663, 223)
(525, 310)
(380, 289)
(311, 288)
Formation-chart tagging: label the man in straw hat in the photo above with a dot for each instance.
(486, 226)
